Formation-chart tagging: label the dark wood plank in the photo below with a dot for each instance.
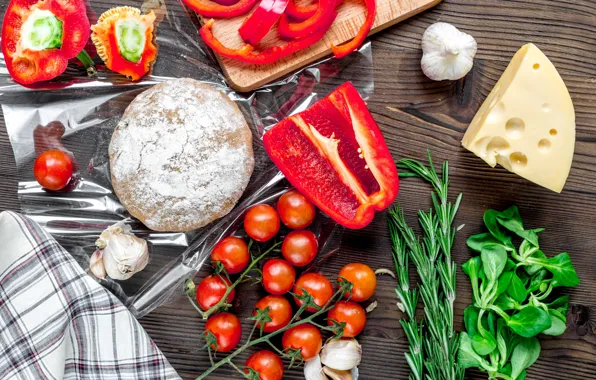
(417, 114)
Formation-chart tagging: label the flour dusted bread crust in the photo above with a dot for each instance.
(181, 156)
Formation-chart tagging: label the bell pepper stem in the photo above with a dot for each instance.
(87, 62)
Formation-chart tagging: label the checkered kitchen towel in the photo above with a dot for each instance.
(57, 322)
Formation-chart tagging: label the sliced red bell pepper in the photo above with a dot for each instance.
(260, 22)
(124, 40)
(267, 56)
(324, 12)
(334, 153)
(301, 13)
(212, 9)
(345, 49)
(39, 37)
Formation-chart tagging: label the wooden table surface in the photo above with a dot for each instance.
(416, 114)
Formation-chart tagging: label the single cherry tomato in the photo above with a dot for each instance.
(267, 364)
(53, 169)
(295, 210)
(233, 253)
(362, 277)
(278, 276)
(227, 330)
(300, 247)
(211, 290)
(261, 222)
(280, 312)
(317, 285)
(306, 338)
(352, 314)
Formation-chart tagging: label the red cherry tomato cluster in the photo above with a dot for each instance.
(299, 248)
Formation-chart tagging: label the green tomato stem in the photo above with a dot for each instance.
(87, 62)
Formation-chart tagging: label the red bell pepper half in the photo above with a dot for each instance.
(260, 22)
(39, 37)
(208, 8)
(335, 154)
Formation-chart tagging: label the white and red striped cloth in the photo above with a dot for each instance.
(56, 322)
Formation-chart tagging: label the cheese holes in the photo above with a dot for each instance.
(553, 132)
(536, 66)
(518, 160)
(515, 127)
(545, 107)
(544, 145)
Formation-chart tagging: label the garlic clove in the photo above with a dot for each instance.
(447, 52)
(341, 354)
(124, 256)
(117, 228)
(96, 266)
(335, 374)
(313, 370)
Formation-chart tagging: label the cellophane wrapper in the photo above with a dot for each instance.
(89, 108)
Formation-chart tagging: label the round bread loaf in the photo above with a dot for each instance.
(181, 156)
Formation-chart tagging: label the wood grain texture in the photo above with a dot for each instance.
(351, 15)
(416, 114)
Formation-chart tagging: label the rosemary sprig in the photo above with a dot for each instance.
(433, 342)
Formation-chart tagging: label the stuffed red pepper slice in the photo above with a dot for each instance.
(39, 37)
(335, 154)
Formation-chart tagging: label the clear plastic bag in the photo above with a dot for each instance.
(88, 109)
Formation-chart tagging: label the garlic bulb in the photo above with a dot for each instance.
(335, 374)
(313, 370)
(447, 52)
(341, 354)
(96, 265)
(125, 255)
(118, 228)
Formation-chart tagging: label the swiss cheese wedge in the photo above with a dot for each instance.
(527, 123)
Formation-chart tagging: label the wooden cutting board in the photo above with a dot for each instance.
(352, 13)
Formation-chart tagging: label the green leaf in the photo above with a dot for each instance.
(505, 302)
(492, 323)
(494, 258)
(471, 319)
(537, 280)
(511, 220)
(494, 227)
(476, 242)
(529, 321)
(504, 282)
(502, 335)
(561, 268)
(510, 265)
(467, 357)
(558, 324)
(532, 269)
(516, 289)
(561, 304)
(484, 345)
(522, 375)
(472, 266)
(524, 355)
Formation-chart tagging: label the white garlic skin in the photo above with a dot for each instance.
(341, 354)
(313, 370)
(118, 228)
(96, 266)
(125, 255)
(447, 53)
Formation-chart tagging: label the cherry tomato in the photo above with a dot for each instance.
(278, 276)
(233, 253)
(363, 278)
(317, 285)
(300, 247)
(211, 290)
(295, 210)
(53, 169)
(306, 338)
(280, 312)
(227, 330)
(267, 364)
(352, 314)
(261, 222)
